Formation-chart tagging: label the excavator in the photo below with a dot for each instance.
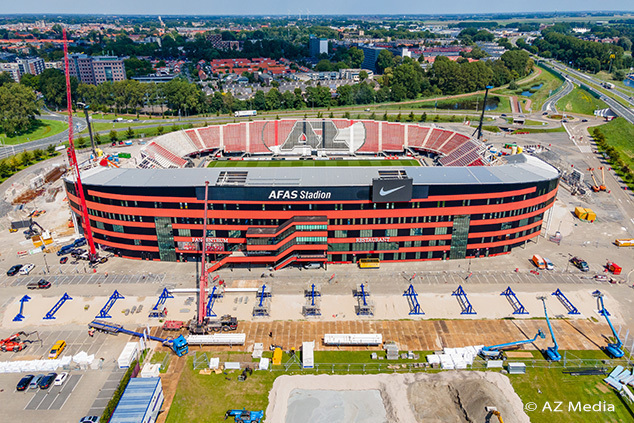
(492, 411)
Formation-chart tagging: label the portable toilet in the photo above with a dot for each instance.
(277, 357)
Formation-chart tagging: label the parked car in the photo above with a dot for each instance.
(41, 284)
(80, 242)
(77, 252)
(26, 269)
(35, 381)
(63, 260)
(61, 378)
(57, 349)
(580, 264)
(89, 419)
(65, 249)
(549, 264)
(312, 265)
(47, 381)
(23, 384)
(14, 269)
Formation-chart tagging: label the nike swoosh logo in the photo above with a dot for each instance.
(383, 193)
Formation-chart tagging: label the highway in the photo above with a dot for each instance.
(580, 78)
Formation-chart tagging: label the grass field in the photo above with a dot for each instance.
(619, 134)
(546, 387)
(580, 101)
(313, 163)
(42, 128)
(205, 398)
(540, 130)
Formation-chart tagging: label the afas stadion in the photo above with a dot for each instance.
(332, 190)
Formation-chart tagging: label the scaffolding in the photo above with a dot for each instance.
(412, 300)
(262, 308)
(103, 314)
(51, 313)
(566, 302)
(465, 305)
(313, 306)
(518, 308)
(364, 307)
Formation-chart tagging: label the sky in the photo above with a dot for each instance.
(295, 7)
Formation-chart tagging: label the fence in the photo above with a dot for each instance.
(569, 361)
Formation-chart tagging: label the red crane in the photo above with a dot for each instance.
(202, 309)
(72, 157)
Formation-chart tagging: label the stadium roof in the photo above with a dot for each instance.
(518, 169)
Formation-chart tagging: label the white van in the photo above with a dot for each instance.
(549, 264)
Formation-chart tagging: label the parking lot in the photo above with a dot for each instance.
(84, 279)
(53, 398)
(85, 392)
(76, 340)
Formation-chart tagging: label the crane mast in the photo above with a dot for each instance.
(203, 268)
(72, 157)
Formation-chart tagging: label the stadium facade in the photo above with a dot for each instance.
(273, 216)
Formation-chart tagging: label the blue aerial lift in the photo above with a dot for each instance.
(245, 416)
(552, 353)
(179, 345)
(494, 352)
(613, 349)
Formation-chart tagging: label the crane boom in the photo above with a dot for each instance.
(614, 349)
(72, 157)
(203, 268)
(493, 350)
(552, 353)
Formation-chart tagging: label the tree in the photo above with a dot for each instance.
(18, 108)
(5, 78)
(324, 65)
(97, 138)
(273, 99)
(52, 85)
(363, 75)
(518, 61)
(129, 134)
(113, 136)
(30, 81)
(137, 67)
(38, 154)
(356, 58)
(259, 100)
(26, 158)
(384, 60)
(50, 150)
(160, 130)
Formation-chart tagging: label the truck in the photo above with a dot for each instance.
(245, 113)
(225, 324)
(41, 284)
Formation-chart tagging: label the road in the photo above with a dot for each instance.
(581, 78)
(550, 105)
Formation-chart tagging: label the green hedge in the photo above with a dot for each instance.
(112, 404)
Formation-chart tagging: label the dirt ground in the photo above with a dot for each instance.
(431, 398)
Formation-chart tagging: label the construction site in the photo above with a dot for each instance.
(496, 338)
